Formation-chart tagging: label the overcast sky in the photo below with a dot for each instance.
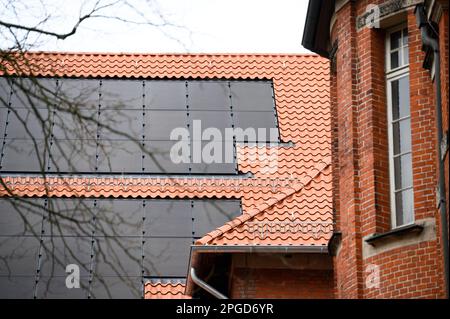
(230, 26)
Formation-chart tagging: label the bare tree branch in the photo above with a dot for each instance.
(61, 36)
(82, 220)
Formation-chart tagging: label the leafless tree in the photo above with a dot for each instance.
(50, 106)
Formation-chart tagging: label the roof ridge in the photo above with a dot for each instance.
(264, 206)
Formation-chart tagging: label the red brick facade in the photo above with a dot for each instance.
(408, 268)
(259, 276)
(408, 272)
(269, 283)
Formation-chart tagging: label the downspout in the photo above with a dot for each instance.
(427, 40)
(205, 286)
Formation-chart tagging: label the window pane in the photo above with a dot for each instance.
(168, 218)
(122, 94)
(159, 124)
(399, 44)
(19, 255)
(395, 63)
(16, 287)
(405, 55)
(29, 124)
(58, 252)
(400, 97)
(402, 136)
(252, 96)
(55, 288)
(209, 95)
(167, 257)
(165, 95)
(395, 39)
(73, 156)
(121, 124)
(25, 155)
(404, 203)
(395, 99)
(404, 96)
(403, 171)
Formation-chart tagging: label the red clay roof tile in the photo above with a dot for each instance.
(298, 216)
(284, 204)
(165, 290)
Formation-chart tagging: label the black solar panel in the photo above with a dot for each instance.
(89, 116)
(115, 243)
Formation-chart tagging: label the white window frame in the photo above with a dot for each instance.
(392, 75)
(388, 69)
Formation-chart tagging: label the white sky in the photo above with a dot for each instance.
(223, 26)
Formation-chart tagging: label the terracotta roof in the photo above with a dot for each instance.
(300, 216)
(165, 289)
(288, 203)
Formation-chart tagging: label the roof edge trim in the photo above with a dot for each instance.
(258, 249)
(316, 35)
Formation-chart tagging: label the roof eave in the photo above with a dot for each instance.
(316, 34)
(196, 250)
(260, 249)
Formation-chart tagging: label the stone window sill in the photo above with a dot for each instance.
(396, 232)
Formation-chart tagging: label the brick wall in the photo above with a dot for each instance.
(408, 272)
(275, 283)
(361, 168)
(372, 132)
(348, 263)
